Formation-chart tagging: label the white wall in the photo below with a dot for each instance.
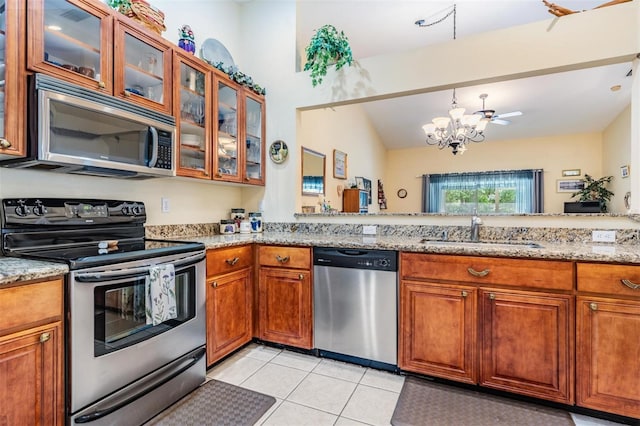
(616, 152)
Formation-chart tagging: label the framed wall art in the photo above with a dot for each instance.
(569, 185)
(339, 164)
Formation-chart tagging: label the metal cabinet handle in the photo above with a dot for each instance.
(214, 284)
(465, 293)
(593, 306)
(101, 85)
(232, 261)
(631, 285)
(301, 276)
(478, 273)
(44, 337)
(126, 94)
(4, 143)
(492, 296)
(282, 259)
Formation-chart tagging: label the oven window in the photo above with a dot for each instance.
(120, 311)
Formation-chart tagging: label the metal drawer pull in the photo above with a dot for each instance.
(214, 284)
(478, 274)
(232, 261)
(44, 337)
(301, 276)
(492, 296)
(465, 293)
(631, 285)
(593, 306)
(282, 259)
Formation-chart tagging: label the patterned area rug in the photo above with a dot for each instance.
(424, 403)
(216, 403)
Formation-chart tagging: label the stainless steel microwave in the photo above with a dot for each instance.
(76, 130)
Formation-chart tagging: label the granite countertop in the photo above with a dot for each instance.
(14, 269)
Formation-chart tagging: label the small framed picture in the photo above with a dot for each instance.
(571, 172)
(339, 164)
(569, 185)
(624, 171)
(360, 182)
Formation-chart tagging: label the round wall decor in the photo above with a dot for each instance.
(402, 192)
(278, 151)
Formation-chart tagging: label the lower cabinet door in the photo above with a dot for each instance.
(285, 306)
(229, 313)
(31, 377)
(526, 344)
(438, 330)
(608, 355)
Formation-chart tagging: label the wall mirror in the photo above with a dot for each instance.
(313, 172)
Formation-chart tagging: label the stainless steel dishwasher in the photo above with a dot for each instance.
(355, 296)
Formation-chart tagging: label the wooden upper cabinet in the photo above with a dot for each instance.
(12, 81)
(253, 113)
(527, 344)
(193, 95)
(142, 66)
(72, 40)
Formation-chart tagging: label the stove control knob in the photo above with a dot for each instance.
(136, 210)
(125, 210)
(22, 210)
(38, 209)
(384, 262)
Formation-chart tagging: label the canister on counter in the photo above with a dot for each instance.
(238, 216)
(228, 226)
(245, 227)
(256, 221)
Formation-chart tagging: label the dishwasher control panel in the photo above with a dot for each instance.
(381, 260)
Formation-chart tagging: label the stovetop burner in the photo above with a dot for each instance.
(81, 232)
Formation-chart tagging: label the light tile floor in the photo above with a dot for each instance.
(319, 391)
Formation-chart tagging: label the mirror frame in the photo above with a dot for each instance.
(307, 151)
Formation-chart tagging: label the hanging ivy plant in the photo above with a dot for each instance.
(328, 46)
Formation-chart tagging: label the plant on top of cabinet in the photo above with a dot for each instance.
(327, 47)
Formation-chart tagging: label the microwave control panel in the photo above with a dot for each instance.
(165, 150)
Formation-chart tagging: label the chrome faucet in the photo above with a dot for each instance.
(475, 226)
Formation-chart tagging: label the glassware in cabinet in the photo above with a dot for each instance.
(71, 39)
(227, 149)
(254, 136)
(12, 79)
(142, 67)
(192, 96)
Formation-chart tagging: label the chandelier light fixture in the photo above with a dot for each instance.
(458, 129)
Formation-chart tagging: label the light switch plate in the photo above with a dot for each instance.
(369, 229)
(165, 205)
(604, 236)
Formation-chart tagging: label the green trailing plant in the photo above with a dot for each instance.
(328, 46)
(594, 190)
(118, 4)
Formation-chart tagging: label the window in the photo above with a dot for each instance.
(498, 192)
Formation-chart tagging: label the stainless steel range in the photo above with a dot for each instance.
(129, 352)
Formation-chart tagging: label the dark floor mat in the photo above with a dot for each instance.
(423, 403)
(216, 403)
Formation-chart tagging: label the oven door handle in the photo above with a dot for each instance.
(191, 360)
(102, 276)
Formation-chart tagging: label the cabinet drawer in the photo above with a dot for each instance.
(542, 274)
(228, 259)
(620, 280)
(28, 304)
(288, 257)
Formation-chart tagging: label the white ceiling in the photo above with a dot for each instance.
(564, 103)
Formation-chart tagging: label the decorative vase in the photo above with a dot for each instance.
(186, 39)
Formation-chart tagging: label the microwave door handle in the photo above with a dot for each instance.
(154, 147)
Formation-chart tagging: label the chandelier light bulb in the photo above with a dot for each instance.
(482, 124)
(456, 113)
(429, 128)
(441, 123)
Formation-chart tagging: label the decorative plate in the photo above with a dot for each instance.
(402, 192)
(213, 51)
(278, 151)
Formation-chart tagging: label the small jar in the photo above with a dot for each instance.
(256, 221)
(245, 227)
(227, 226)
(238, 216)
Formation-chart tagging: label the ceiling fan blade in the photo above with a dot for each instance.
(501, 122)
(509, 114)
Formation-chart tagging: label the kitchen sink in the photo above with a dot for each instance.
(480, 244)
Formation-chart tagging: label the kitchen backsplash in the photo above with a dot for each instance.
(454, 233)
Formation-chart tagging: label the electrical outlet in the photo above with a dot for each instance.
(165, 205)
(604, 236)
(369, 229)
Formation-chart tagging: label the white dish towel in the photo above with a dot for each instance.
(160, 291)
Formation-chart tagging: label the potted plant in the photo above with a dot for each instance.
(328, 46)
(592, 198)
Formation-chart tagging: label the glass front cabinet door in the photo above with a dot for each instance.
(12, 81)
(254, 137)
(71, 40)
(142, 67)
(227, 164)
(192, 102)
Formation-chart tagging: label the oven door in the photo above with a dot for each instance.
(110, 343)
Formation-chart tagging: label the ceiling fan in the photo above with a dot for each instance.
(491, 115)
